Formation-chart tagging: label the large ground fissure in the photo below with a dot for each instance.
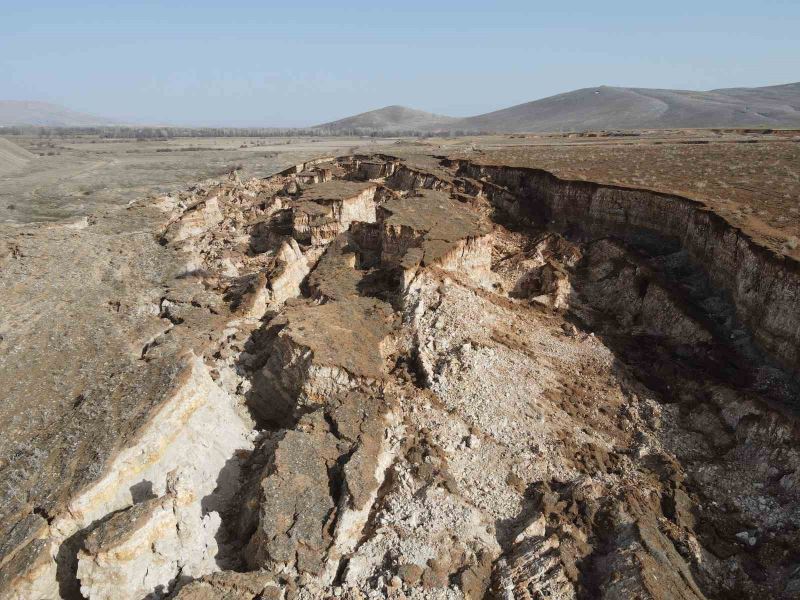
(456, 380)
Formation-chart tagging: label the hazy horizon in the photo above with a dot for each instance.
(247, 64)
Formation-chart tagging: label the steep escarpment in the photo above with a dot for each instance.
(433, 379)
(762, 286)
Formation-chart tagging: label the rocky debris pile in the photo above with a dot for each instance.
(410, 382)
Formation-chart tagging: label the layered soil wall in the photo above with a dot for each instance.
(763, 286)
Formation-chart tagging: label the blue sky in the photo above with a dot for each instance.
(265, 63)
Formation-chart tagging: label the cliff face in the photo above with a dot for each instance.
(764, 287)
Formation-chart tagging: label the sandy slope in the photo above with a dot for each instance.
(12, 156)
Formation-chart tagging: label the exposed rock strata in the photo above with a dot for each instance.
(323, 211)
(151, 544)
(763, 286)
(429, 228)
(176, 435)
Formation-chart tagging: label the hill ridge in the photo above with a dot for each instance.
(46, 114)
(605, 107)
(394, 116)
(12, 156)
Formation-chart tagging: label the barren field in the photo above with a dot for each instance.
(75, 176)
(494, 367)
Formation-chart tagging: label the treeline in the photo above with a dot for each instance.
(363, 132)
(165, 133)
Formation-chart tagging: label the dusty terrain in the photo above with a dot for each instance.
(441, 371)
(76, 176)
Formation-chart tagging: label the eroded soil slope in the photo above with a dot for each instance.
(443, 379)
(751, 178)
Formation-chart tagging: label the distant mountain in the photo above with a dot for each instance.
(390, 118)
(637, 108)
(607, 107)
(601, 107)
(14, 112)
